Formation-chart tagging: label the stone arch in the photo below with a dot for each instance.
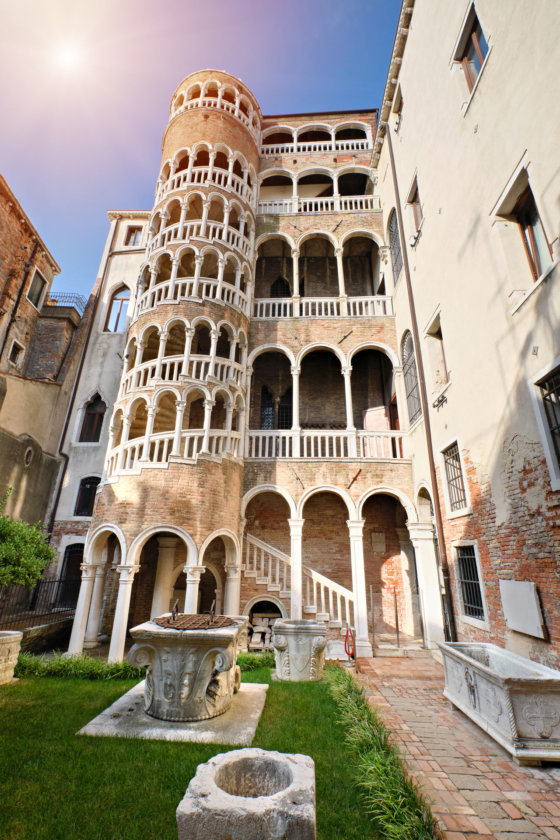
(327, 488)
(271, 348)
(142, 538)
(375, 345)
(320, 345)
(266, 596)
(269, 488)
(105, 529)
(389, 491)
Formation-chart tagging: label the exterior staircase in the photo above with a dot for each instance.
(322, 598)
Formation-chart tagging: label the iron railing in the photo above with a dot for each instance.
(48, 602)
(67, 299)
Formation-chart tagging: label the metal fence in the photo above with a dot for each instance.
(48, 602)
(67, 299)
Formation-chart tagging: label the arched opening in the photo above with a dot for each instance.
(175, 345)
(350, 133)
(314, 135)
(153, 587)
(202, 158)
(211, 91)
(266, 519)
(390, 570)
(92, 422)
(230, 270)
(163, 269)
(130, 355)
(194, 208)
(173, 213)
(361, 267)
(326, 542)
(262, 617)
(182, 162)
(315, 185)
(193, 418)
(139, 419)
(321, 374)
(224, 344)
(228, 95)
(278, 138)
(276, 188)
(164, 420)
(186, 267)
(318, 273)
(193, 93)
(212, 581)
(274, 260)
(216, 210)
(221, 161)
(106, 551)
(151, 344)
(201, 340)
(355, 183)
(374, 400)
(219, 412)
(271, 397)
(209, 269)
(207, 588)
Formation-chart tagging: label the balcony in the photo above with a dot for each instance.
(327, 204)
(327, 146)
(180, 368)
(186, 288)
(187, 446)
(211, 231)
(200, 176)
(325, 445)
(328, 307)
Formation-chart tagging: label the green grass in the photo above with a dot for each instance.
(56, 786)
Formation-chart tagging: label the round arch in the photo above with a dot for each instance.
(266, 596)
(327, 488)
(375, 345)
(108, 529)
(367, 234)
(320, 345)
(268, 488)
(271, 348)
(142, 538)
(385, 490)
(265, 237)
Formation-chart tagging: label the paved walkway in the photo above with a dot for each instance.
(476, 790)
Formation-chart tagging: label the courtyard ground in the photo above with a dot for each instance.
(476, 790)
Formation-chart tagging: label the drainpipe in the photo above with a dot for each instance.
(77, 378)
(26, 270)
(449, 614)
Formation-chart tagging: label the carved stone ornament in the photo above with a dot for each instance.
(191, 674)
(299, 649)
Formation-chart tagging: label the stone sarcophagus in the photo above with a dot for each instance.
(516, 700)
(299, 649)
(191, 671)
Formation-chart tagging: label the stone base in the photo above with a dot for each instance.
(126, 719)
(250, 795)
(10, 641)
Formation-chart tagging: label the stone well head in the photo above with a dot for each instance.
(299, 649)
(250, 794)
(190, 660)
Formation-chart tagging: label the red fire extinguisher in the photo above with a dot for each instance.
(349, 646)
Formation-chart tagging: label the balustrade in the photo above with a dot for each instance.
(357, 145)
(211, 231)
(222, 105)
(183, 289)
(200, 176)
(321, 444)
(144, 375)
(357, 307)
(161, 445)
(328, 204)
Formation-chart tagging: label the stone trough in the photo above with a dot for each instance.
(299, 649)
(516, 700)
(191, 671)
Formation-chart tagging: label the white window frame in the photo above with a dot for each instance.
(44, 290)
(480, 623)
(456, 61)
(466, 510)
(542, 422)
(21, 355)
(429, 336)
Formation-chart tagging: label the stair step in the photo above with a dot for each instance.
(285, 593)
(274, 587)
(310, 608)
(322, 616)
(262, 580)
(335, 623)
(250, 573)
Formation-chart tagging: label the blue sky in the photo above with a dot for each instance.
(87, 85)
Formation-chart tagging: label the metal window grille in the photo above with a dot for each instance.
(410, 374)
(285, 411)
(267, 409)
(395, 246)
(86, 496)
(454, 474)
(550, 389)
(470, 583)
(93, 420)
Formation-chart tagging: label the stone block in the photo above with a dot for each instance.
(10, 641)
(250, 794)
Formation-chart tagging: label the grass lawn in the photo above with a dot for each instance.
(56, 786)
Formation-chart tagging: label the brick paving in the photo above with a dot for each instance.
(476, 790)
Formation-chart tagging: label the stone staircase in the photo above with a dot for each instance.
(322, 598)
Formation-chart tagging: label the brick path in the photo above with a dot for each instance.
(476, 790)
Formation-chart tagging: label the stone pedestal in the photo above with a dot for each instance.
(191, 674)
(299, 649)
(10, 641)
(250, 794)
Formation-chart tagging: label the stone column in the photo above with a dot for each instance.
(213, 345)
(412, 622)
(92, 628)
(219, 287)
(227, 212)
(205, 211)
(164, 576)
(82, 609)
(173, 278)
(208, 406)
(152, 411)
(211, 159)
(296, 600)
(233, 589)
(182, 218)
(118, 636)
(350, 428)
(189, 332)
(229, 416)
(191, 595)
(295, 199)
(180, 405)
(340, 268)
(422, 538)
(124, 440)
(197, 268)
(241, 424)
(231, 161)
(296, 430)
(161, 352)
(363, 644)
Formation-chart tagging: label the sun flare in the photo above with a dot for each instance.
(69, 56)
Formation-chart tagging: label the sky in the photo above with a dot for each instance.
(86, 87)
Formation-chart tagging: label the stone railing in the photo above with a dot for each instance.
(356, 307)
(175, 368)
(320, 444)
(220, 105)
(184, 288)
(212, 231)
(267, 565)
(328, 204)
(129, 457)
(199, 176)
(357, 145)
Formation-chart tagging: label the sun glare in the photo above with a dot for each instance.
(68, 56)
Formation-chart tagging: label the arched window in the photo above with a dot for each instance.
(116, 314)
(395, 246)
(86, 496)
(69, 586)
(411, 378)
(280, 288)
(93, 420)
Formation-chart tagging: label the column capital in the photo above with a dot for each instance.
(346, 370)
(167, 542)
(152, 410)
(338, 251)
(384, 252)
(296, 526)
(420, 531)
(295, 253)
(193, 573)
(199, 259)
(180, 404)
(209, 404)
(233, 570)
(214, 333)
(295, 370)
(355, 527)
(127, 573)
(88, 570)
(189, 331)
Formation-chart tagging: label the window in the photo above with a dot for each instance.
(93, 420)
(550, 395)
(35, 293)
(436, 354)
(469, 582)
(280, 288)
(116, 314)
(410, 373)
(472, 50)
(454, 475)
(16, 354)
(267, 409)
(415, 206)
(69, 587)
(395, 245)
(133, 235)
(535, 242)
(86, 496)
